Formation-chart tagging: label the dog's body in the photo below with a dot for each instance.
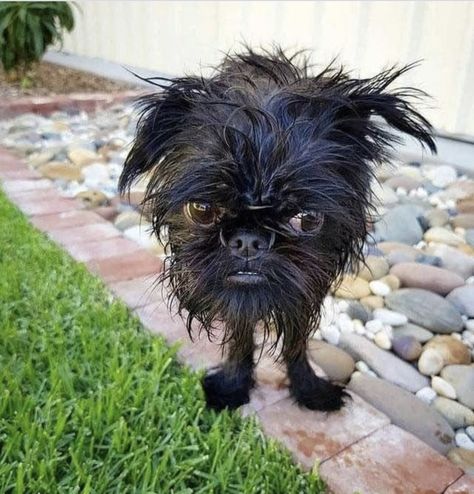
(261, 175)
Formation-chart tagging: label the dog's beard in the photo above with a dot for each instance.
(285, 304)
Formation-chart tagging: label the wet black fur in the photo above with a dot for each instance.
(263, 131)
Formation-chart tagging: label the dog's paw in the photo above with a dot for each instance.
(225, 389)
(318, 394)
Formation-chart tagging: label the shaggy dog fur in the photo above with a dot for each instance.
(260, 175)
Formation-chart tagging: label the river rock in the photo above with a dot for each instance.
(453, 259)
(93, 198)
(58, 170)
(405, 411)
(463, 221)
(420, 334)
(462, 379)
(464, 459)
(82, 157)
(470, 237)
(372, 302)
(399, 225)
(415, 275)
(353, 288)
(452, 350)
(426, 394)
(382, 340)
(464, 441)
(356, 310)
(374, 268)
(392, 281)
(430, 362)
(127, 219)
(443, 388)
(379, 288)
(426, 309)
(443, 236)
(384, 363)
(406, 347)
(463, 299)
(403, 181)
(456, 414)
(391, 317)
(336, 363)
(442, 175)
(436, 217)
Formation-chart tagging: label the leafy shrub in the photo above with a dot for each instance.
(27, 29)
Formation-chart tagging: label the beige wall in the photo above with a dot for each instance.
(175, 37)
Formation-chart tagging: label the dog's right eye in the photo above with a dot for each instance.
(201, 213)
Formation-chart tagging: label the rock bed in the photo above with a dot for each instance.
(400, 332)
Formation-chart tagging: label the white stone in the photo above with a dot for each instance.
(470, 280)
(382, 340)
(362, 366)
(374, 326)
(358, 326)
(464, 441)
(426, 394)
(95, 174)
(443, 388)
(344, 323)
(442, 175)
(328, 312)
(317, 335)
(431, 362)
(469, 325)
(391, 317)
(456, 336)
(470, 431)
(379, 288)
(330, 334)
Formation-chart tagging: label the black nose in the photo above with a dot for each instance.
(249, 245)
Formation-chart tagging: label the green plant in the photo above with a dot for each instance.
(26, 31)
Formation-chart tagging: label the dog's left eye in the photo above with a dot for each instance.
(307, 222)
(201, 213)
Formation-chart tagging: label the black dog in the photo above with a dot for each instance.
(261, 175)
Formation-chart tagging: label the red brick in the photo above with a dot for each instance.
(126, 266)
(114, 247)
(138, 291)
(19, 173)
(315, 436)
(46, 206)
(42, 194)
(18, 186)
(389, 461)
(200, 353)
(465, 485)
(92, 232)
(67, 219)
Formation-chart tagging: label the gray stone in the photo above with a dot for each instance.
(429, 260)
(436, 217)
(356, 310)
(426, 309)
(405, 410)
(462, 379)
(384, 363)
(463, 299)
(470, 236)
(453, 259)
(399, 225)
(127, 219)
(337, 364)
(420, 334)
(463, 458)
(406, 347)
(456, 414)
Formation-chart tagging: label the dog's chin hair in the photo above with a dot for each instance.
(286, 306)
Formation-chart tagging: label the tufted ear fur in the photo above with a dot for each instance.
(163, 116)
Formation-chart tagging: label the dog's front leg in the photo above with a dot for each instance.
(229, 385)
(308, 389)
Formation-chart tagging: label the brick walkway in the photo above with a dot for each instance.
(357, 449)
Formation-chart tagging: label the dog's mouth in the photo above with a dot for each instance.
(246, 278)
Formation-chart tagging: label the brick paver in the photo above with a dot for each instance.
(465, 485)
(18, 186)
(315, 436)
(390, 461)
(137, 292)
(45, 205)
(93, 232)
(126, 266)
(113, 247)
(67, 219)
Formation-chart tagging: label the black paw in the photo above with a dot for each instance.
(227, 389)
(319, 394)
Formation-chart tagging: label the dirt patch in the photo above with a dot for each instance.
(50, 79)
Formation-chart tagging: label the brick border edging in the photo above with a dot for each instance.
(45, 105)
(338, 441)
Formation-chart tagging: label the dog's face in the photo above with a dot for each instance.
(261, 175)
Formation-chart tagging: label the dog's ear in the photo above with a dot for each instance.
(366, 100)
(162, 117)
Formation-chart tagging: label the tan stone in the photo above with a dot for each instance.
(56, 170)
(83, 157)
(93, 198)
(372, 302)
(392, 281)
(451, 350)
(353, 288)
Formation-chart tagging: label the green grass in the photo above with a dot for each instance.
(90, 403)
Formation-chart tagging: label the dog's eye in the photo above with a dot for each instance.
(201, 213)
(307, 222)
